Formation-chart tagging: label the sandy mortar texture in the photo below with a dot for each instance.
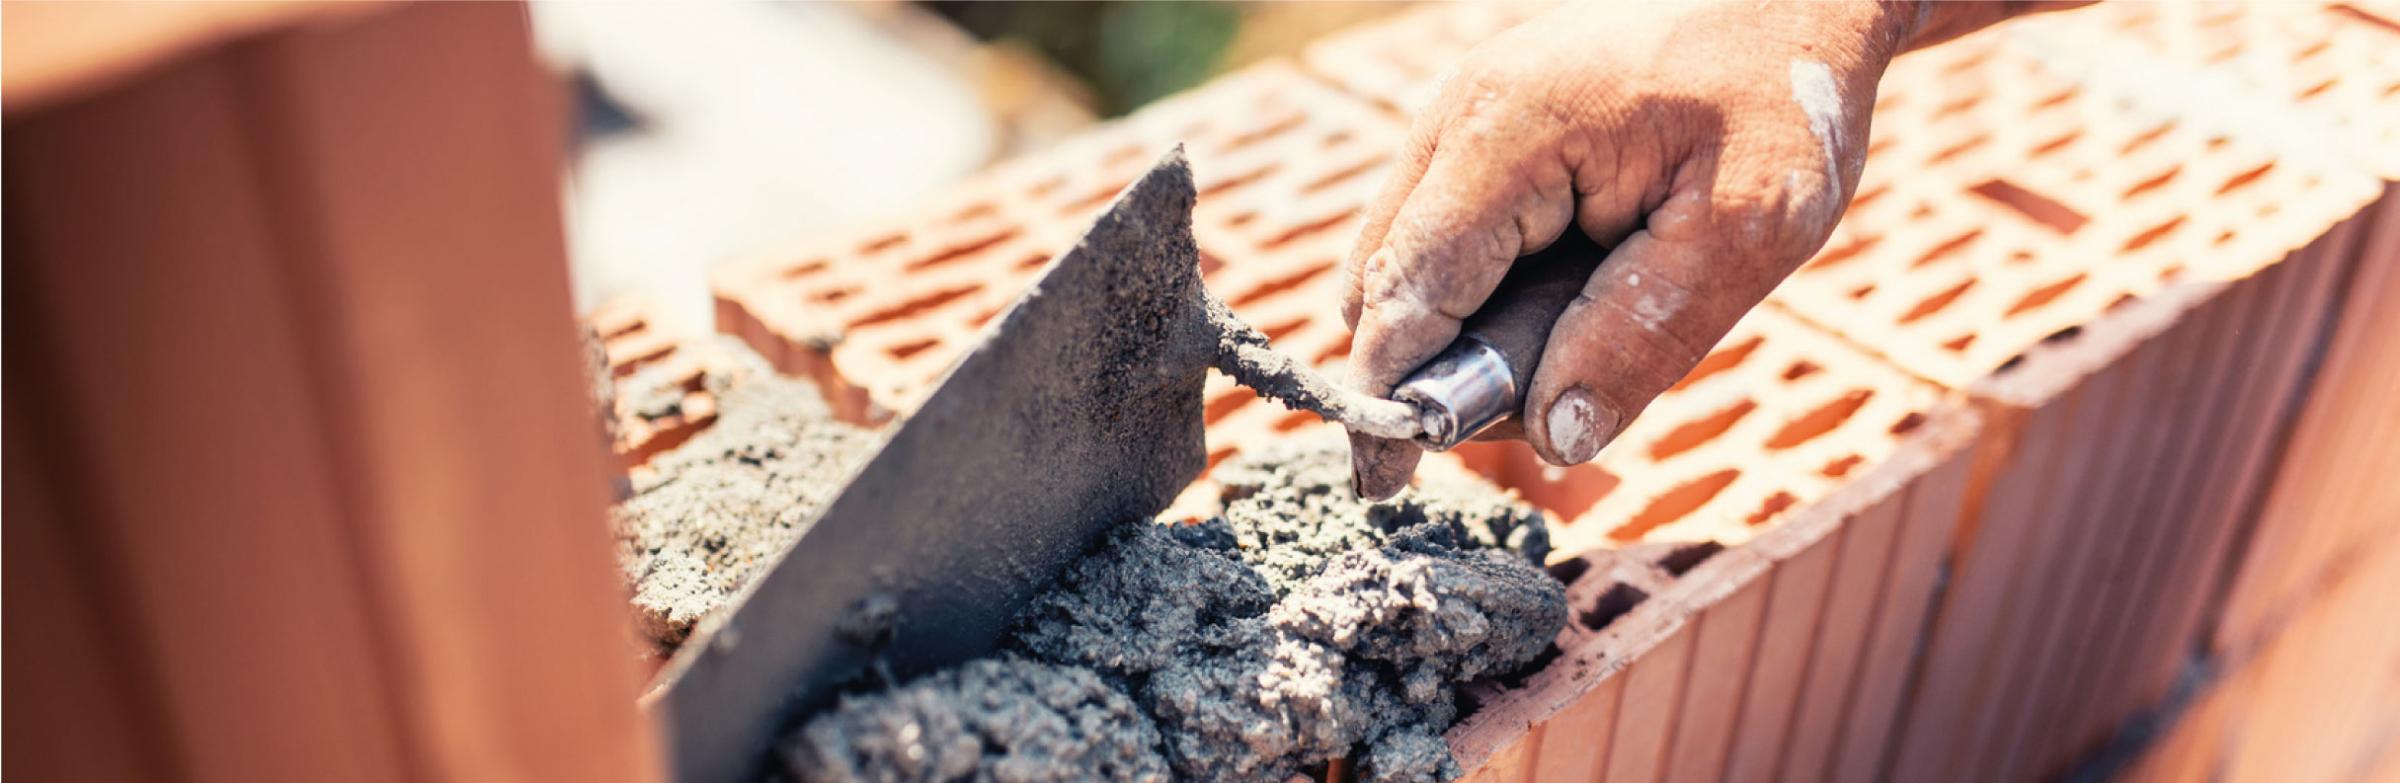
(1297, 626)
(702, 518)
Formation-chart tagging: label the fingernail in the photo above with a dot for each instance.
(1380, 468)
(1578, 426)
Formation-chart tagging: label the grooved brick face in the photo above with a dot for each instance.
(1774, 419)
(635, 344)
(2335, 66)
(1283, 163)
(1399, 62)
(2003, 203)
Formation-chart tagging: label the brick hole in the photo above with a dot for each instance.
(1566, 493)
(1092, 199)
(1969, 63)
(1335, 139)
(2060, 97)
(2221, 55)
(1339, 350)
(1344, 174)
(1612, 604)
(2020, 257)
(1960, 148)
(1217, 455)
(1723, 358)
(1862, 292)
(912, 348)
(1122, 155)
(1697, 432)
(2244, 179)
(1276, 128)
(1675, 504)
(832, 295)
(2153, 234)
(1210, 263)
(1841, 466)
(1312, 227)
(1922, 212)
(1956, 106)
(2312, 50)
(2145, 137)
(1835, 256)
(1681, 560)
(2218, 142)
(2360, 15)
(2171, 273)
(621, 329)
(1814, 424)
(1225, 403)
(1238, 181)
(915, 306)
(2011, 364)
(2392, 91)
(1567, 571)
(1241, 218)
(881, 243)
(964, 249)
(1032, 261)
(1293, 420)
(1945, 249)
(2034, 206)
(2224, 238)
(1774, 505)
(1869, 196)
(1285, 328)
(2153, 183)
(1046, 187)
(2054, 145)
(1935, 303)
(811, 267)
(1517, 677)
(1281, 284)
(2044, 295)
(1959, 344)
(2319, 88)
(2063, 335)
(980, 210)
(1881, 144)
(1801, 368)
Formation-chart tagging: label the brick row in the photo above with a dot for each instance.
(660, 397)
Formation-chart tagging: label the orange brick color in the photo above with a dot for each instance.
(1964, 498)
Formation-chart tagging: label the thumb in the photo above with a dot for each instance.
(1643, 320)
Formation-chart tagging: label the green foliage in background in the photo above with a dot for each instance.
(1129, 52)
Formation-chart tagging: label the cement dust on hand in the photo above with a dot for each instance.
(707, 516)
(1298, 626)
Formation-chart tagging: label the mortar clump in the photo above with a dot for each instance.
(1002, 719)
(1300, 624)
(705, 517)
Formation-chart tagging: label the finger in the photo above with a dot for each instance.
(1476, 210)
(1415, 155)
(1643, 321)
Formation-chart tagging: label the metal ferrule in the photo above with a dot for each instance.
(1463, 391)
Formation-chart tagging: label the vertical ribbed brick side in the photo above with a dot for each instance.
(2332, 501)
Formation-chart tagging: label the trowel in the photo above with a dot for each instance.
(1080, 409)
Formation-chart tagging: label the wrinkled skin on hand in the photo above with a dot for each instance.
(1712, 147)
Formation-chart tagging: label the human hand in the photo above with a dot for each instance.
(1711, 147)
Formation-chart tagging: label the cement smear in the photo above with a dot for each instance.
(1298, 626)
(703, 518)
(1002, 719)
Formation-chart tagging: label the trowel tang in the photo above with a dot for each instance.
(1482, 377)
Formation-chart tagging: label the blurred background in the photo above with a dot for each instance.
(713, 129)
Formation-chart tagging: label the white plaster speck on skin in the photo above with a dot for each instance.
(1571, 427)
(1820, 100)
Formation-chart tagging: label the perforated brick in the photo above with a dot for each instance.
(1399, 62)
(1774, 419)
(660, 400)
(2003, 204)
(1283, 165)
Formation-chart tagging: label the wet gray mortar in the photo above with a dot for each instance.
(1298, 625)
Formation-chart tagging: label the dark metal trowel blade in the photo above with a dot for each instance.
(1079, 410)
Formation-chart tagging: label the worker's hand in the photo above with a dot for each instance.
(1712, 147)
